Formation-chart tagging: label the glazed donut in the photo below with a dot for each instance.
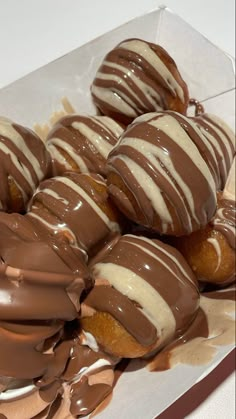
(158, 177)
(75, 206)
(144, 296)
(137, 77)
(82, 143)
(24, 162)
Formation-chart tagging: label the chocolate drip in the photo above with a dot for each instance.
(199, 108)
(225, 221)
(208, 330)
(198, 328)
(41, 283)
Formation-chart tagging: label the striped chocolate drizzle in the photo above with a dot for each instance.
(70, 204)
(161, 166)
(221, 141)
(133, 79)
(86, 139)
(24, 159)
(225, 221)
(154, 276)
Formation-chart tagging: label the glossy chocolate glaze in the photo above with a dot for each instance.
(159, 161)
(213, 325)
(219, 147)
(225, 220)
(63, 205)
(24, 160)
(40, 284)
(78, 380)
(136, 269)
(86, 140)
(137, 77)
(199, 108)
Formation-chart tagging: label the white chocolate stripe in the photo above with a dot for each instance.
(223, 138)
(52, 145)
(115, 101)
(109, 123)
(216, 246)
(17, 392)
(61, 227)
(228, 225)
(151, 153)
(154, 307)
(159, 259)
(97, 365)
(144, 50)
(150, 188)
(113, 226)
(212, 140)
(170, 126)
(202, 137)
(145, 88)
(54, 195)
(220, 213)
(224, 127)
(100, 143)
(122, 95)
(8, 131)
(161, 249)
(20, 166)
(146, 117)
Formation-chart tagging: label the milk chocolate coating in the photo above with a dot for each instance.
(225, 220)
(218, 146)
(82, 143)
(150, 289)
(24, 161)
(76, 206)
(72, 386)
(40, 283)
(137, 77)
(170, 187)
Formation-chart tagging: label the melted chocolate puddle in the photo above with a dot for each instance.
(118, 372)
(213, 326)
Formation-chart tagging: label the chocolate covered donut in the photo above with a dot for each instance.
(137, 77)
(24, 162)
(75, 206)
(211, 252)
(145, 294)
(45, 363)
(159, 177)
(75, 296)
(82, 143)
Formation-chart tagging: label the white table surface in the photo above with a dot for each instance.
(34, 32)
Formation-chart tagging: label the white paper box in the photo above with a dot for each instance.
(209, 73)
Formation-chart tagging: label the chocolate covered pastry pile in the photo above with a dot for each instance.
(107, 234)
